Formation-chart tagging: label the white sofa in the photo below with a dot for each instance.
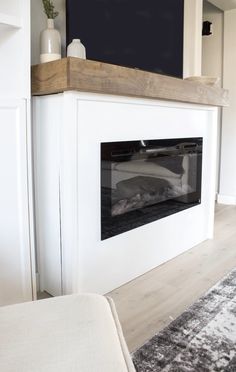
(76, 333)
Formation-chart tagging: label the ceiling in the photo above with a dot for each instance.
(224, 4)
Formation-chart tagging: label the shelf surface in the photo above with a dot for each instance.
(7, 20)
(98, 77)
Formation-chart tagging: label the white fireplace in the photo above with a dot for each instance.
(69, 129)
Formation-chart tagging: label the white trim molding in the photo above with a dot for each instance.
(226, 199)
(192, 57)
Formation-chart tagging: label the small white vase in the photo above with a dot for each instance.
(50, 43)
(76, 49)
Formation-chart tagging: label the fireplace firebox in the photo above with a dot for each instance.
(143, 181)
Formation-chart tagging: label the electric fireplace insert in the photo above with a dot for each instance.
(143, 181)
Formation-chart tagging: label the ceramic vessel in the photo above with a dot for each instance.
(76, 49)
(50, 43)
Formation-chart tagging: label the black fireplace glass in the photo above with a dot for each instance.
(143, 181)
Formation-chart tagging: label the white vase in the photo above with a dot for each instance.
(50, 43)
(76, 49)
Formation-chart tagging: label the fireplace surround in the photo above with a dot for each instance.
(70, 129)
(143, 181)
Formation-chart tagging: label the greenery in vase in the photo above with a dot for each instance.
(49, 9)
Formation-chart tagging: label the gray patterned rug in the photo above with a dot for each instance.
(202, 339)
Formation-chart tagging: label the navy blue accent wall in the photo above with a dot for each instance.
(144, 34)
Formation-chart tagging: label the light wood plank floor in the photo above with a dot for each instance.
(149, 303)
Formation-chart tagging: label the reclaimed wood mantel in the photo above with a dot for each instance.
(98, 77)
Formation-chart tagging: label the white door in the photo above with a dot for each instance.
(15, 250)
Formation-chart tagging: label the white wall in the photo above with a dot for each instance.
(228, 154)
(15, 51)
(212, 46)
(10, 7)
(212, 60)
(224, 4)
(38, 23)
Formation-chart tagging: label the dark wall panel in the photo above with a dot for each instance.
(145, 34)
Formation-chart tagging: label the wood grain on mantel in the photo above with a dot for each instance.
(97, 77)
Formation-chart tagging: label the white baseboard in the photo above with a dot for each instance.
(37, 282)
(226, 199)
